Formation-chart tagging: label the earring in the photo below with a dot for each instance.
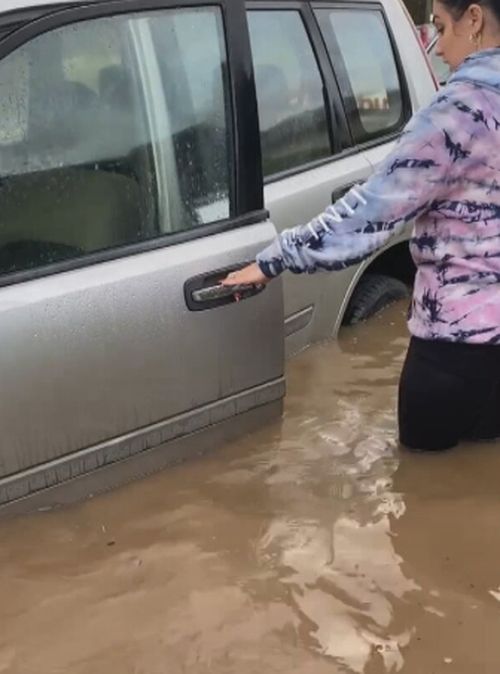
(476, 39)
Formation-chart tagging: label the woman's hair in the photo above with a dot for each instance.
(457, 8)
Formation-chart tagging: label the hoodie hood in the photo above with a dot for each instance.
(481, 69)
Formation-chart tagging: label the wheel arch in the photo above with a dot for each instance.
(394, 260)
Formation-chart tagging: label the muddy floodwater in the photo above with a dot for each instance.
(313, 546)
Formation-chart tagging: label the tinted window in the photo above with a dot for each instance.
(94, 152)
(358, 40)
(293, 121)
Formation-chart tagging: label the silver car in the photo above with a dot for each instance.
(131, 182)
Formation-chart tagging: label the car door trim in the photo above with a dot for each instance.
(56, 472)
(298, 321)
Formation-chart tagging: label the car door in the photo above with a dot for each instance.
(376, 97)
(307, 158)
(130, 184)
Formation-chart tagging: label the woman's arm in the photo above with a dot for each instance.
(350, 230)
(368, 215)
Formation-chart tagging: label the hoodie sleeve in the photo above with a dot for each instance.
(369, 215)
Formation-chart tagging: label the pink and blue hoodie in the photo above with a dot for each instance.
(444, 175)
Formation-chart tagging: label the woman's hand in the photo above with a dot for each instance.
(248, 276)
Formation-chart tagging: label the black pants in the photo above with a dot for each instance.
(449, 392)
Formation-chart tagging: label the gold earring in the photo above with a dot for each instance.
(476, 39)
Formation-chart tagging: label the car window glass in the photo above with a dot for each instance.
(193, 70)
(94, 150)
(292, 116)
(360, 39)
(14, 99)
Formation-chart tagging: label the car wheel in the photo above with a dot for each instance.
(373, 293)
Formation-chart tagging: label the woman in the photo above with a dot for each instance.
(445, 175)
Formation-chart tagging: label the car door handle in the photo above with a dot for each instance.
(218, 292)
(206, 292)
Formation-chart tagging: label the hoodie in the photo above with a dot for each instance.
(444, 175)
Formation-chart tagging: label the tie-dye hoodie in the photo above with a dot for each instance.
(445, 175)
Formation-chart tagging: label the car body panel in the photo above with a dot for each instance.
(311, 301)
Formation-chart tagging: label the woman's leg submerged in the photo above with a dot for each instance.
(448, 392)
(488, 426)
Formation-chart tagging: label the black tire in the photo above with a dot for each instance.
(373, 293)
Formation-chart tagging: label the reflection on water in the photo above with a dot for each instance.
(313, 546)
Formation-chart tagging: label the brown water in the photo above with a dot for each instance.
(314, 546)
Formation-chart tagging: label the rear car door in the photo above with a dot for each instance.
(360, 38)
(306, 154)
(130, 183)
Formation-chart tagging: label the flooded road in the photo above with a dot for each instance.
(314, 546)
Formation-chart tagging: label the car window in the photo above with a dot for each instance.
(96, 151)
(292, 115)
(358, 39)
